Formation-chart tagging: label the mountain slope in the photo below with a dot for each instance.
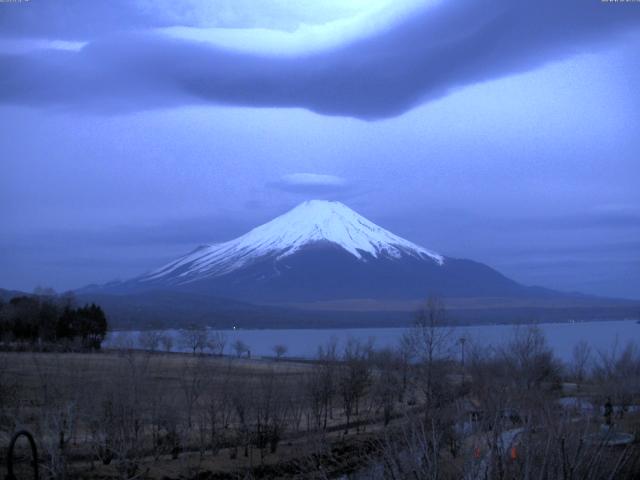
(310, 223)
(322, 251)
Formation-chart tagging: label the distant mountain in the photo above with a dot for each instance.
(322, 251)
(323, 265)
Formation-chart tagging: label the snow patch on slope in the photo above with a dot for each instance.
(310, 222)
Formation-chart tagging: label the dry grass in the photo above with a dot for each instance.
(44, 383)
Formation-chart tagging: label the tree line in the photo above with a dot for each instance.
(45, 319)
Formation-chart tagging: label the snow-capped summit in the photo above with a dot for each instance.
(320, 251)
(305, 225)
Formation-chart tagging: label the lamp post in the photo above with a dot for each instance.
(462, 342)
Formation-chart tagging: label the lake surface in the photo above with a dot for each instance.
(304, 343)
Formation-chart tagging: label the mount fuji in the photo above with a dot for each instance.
(322, 251)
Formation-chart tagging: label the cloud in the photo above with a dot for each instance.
(75, 19)
(311, 183)
(442, 47)
(579, 221)
(22, 46)
(82, 20)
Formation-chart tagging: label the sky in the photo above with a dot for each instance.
(498, 130)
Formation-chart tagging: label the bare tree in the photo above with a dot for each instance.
(61, 394)
(387, 381)
(217, 343)
(313, 398)
(242, 403)
(218, 406)
(354, 377)
(411, 452)
(430, 341)
(118, 420)
(269, 412)
(240, 348)
(405, 355)
(279, 350)
(149, 340)
(530, 358)
(194, 338)
(581, 357)
(617, 371)
(192, 382)
(166, 340)
(328, 369)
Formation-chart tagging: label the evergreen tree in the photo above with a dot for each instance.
(41, 318)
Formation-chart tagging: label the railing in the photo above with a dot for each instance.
(34, 454)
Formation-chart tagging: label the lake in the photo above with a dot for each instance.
(303, 343)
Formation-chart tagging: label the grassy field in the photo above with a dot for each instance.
(133, 414)
(172, 396)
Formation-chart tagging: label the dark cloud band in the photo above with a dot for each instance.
(447, 46)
